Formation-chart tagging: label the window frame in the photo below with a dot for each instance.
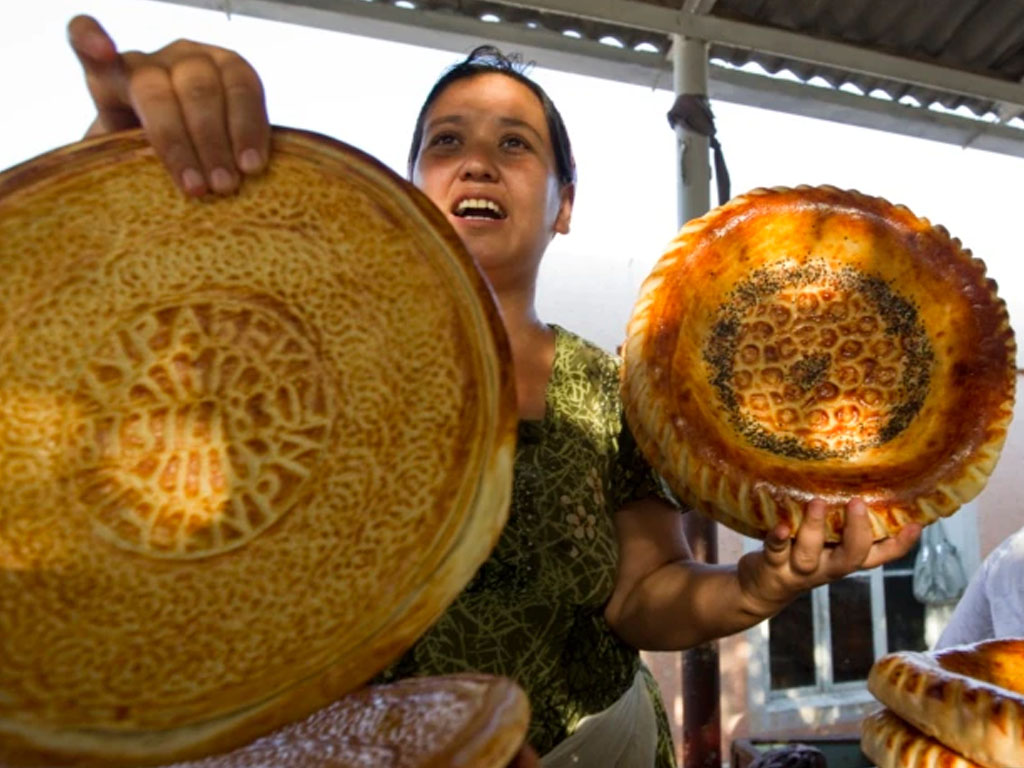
(827, 702)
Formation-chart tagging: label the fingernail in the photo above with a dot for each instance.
(192, 181)
(222, 181)
(250, 161)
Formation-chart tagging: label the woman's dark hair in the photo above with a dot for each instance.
(486, 59)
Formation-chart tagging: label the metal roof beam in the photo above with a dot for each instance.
(460, 34)
(698, 6)
(864, 111)
(853, 59)
(783, 43)
(627, 13)
(457, 33)
(638, 15)
(1006, 112)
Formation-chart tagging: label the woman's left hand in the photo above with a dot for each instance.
(787, 566)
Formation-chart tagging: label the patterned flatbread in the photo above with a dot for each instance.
(250, 447)
(810, 342)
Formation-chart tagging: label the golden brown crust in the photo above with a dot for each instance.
(892, 743)
(810, 342)
(251, 446)
(969, 698)
(474, 721)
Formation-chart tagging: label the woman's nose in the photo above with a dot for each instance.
(480, 166)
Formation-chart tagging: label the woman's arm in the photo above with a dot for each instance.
(201, 106)
(663, 600)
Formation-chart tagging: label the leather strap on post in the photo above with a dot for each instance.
(693, 111)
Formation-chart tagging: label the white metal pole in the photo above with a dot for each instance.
(690, 75)
(702, 723)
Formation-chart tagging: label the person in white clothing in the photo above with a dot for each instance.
(993, 605)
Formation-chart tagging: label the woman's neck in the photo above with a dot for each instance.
(533, 351)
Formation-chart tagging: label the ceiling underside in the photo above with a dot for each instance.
(949, 70)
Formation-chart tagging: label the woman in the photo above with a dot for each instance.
(593, 564)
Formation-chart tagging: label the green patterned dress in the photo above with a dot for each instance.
(535, 610)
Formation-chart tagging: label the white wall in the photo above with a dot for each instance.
(368, 93)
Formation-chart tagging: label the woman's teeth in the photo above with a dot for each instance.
(479, 208)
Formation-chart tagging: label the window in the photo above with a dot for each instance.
(830, 637)
(812, 659)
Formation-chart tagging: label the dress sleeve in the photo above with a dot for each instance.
(632, 477)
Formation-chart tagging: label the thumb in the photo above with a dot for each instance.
(104, 71)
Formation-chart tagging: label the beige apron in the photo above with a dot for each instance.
(625, 735)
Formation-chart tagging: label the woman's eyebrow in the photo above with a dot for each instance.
(515, 122)
(508, 122)
(441, 119)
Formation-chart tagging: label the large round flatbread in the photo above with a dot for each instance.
(968, 698)
(810, 342)
(892, 743)
(250, 447)
(470, 721)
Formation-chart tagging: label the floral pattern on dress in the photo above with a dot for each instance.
(535, 609)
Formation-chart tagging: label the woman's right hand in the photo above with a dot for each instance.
(201, 107)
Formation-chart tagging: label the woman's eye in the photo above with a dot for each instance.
(443, 140)
(515, 142)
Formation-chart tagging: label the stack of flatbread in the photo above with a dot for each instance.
(961, 707)
(250, 449)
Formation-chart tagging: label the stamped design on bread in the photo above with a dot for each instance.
(814, 363)
(197, 425)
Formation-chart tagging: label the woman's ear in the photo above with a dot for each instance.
(566, 197)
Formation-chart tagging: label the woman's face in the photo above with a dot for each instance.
(487, 162)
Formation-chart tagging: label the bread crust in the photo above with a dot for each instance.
(892, 743)
(969, 698)
(475, 721)
(250, 447)
(815, 342)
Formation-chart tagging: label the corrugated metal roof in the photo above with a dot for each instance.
(946, 70)
(980, 36)
(983, 37)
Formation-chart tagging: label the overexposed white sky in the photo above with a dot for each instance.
(367, 92)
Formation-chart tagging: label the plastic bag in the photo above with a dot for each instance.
(939, 576)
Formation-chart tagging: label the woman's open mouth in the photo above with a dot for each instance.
(479, 208)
